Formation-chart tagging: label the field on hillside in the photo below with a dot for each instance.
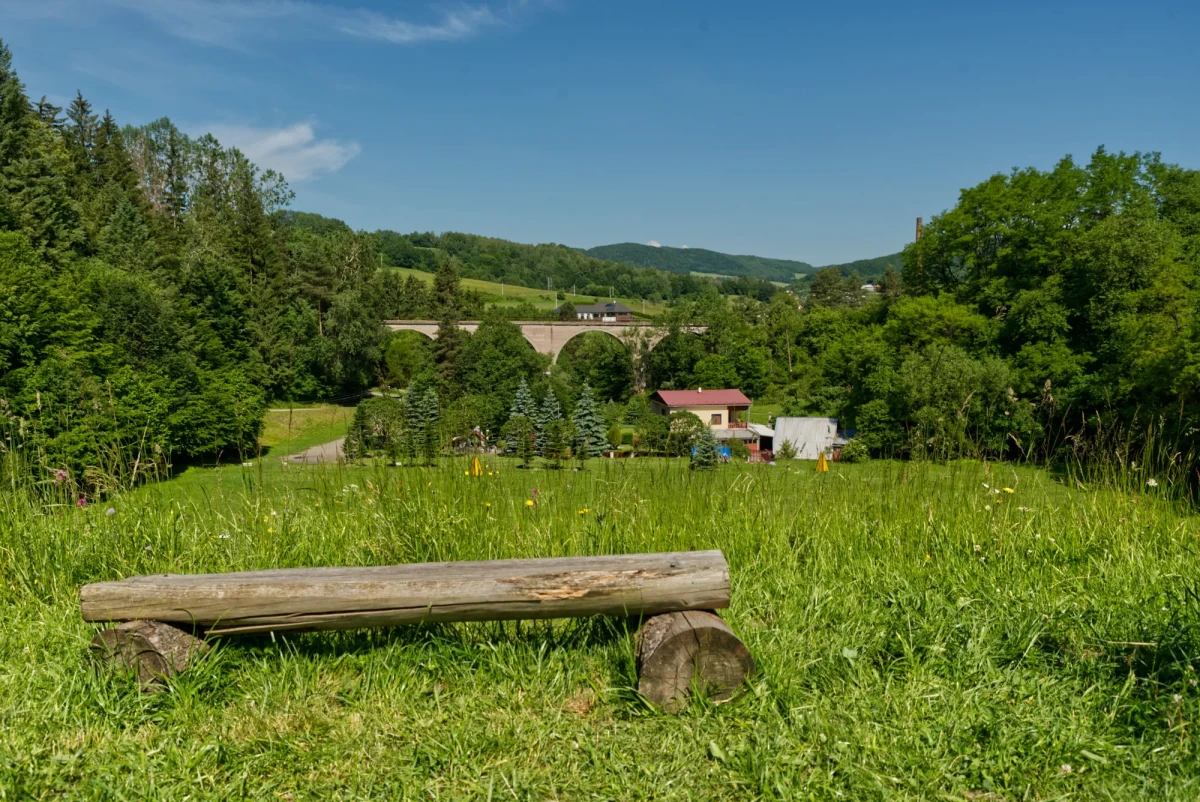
(921, 633)
(511, 295)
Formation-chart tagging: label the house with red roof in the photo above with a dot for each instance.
(720, 409)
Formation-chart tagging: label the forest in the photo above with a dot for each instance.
(157, 294)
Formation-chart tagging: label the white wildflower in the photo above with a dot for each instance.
(1152, 482)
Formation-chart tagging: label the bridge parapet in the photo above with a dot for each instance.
(551, 336)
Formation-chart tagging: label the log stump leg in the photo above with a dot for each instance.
(151, 649)
(679, 652)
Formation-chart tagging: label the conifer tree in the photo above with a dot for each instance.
(523, 404)
(125, 241)
(704, 457)
(429, 416)
(413, 441)
(590, 436)
(549, 412)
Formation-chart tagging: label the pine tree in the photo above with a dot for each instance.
(549, 412)
(590, 437)
(523, 404)
(429, 416)
(704, 457)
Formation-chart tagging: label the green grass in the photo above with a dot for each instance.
(919, 636)
(288, 431)
(510, 295)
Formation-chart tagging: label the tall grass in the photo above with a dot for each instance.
(921, 633)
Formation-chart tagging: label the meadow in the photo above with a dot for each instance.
(921, 632)
(496, 294)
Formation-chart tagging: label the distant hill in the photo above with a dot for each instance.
(869, 268)
(700, 260)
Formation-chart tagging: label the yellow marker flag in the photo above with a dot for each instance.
(822, 464)
(476, 468)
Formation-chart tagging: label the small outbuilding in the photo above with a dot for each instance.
(610, 312)
(811, 437)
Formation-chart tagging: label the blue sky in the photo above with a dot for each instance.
(811, 131)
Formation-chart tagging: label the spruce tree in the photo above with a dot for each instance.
(590, 436)
(704, 457)
(125, 241)
(523, 404)
(429, 415)
(549, 412)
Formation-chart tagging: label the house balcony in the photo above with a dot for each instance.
(737, 424)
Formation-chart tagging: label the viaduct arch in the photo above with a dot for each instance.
(550, 336)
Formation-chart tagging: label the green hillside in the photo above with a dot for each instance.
(869, 268)
(701, 261)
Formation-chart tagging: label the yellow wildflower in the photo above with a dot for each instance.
(466, 473)
(1009, 490)
(528, 502)
(584, 511)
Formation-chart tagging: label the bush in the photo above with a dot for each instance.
(855, 451)
(615, 436)
(739, 450)
(786, 450)
(376, 429)
(683, 429)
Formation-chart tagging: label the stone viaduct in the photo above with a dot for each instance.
(549, 337)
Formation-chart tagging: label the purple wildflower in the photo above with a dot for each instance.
(110, 511)
(81, 502)
(61, 476)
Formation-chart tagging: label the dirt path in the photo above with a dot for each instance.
(326, 452)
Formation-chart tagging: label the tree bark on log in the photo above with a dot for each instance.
(154, 651)
(344, 598)
(678, 653)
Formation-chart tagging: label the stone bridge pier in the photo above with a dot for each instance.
(550, 337)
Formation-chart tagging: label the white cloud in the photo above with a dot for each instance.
(293, 150)
(235, 23)
(654, 243)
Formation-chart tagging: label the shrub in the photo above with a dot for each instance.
(376, 429)
(683, 429)
(786, 450)
(739, 450)
(615, 436)
(855, 451)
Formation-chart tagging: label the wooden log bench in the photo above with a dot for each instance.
(682, 646)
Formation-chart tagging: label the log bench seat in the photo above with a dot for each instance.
(683, 646)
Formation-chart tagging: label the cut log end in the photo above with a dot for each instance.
(151, 650)
(686, 652)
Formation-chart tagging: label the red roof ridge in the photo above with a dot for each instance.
(702, 397)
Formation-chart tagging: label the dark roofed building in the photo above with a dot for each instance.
(611, 312)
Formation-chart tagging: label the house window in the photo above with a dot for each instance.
(715, 419)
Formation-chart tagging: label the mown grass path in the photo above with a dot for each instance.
(919, 636)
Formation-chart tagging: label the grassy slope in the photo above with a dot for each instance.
(542, 299)
(918, 636)
(286, 431)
